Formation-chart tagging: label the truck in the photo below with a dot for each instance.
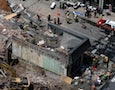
(106, 24)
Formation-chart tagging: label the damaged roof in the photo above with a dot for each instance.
(72, 40)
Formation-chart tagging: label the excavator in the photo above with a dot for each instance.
(15, 82)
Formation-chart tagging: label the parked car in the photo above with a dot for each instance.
(53, 5)
(72, 4)
(76, 5)
(91, 8)
(69, 4)
(106, 24)
(82, 5)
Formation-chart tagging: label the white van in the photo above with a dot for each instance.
(53, 5)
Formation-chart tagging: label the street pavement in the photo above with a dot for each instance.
(42, 8)
(95, 19)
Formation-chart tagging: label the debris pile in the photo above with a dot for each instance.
(4, 5)
(26, 27)
(42, 79)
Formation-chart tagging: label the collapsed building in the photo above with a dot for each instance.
(36, 76)
(47, 46)
(37, 43)
(63, 59)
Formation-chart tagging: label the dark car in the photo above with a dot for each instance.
(69, 4)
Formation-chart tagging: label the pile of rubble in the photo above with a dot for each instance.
(4, 5)
(18, 24)
(42, 79)
(27, 27)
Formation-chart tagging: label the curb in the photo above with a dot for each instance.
(89, 21)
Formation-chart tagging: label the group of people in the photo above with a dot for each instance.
(88, 12)
(95, 11)
(55, 20)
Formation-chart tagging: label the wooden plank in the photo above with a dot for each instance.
(10, 16)
(66, 79)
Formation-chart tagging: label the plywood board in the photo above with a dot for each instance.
(66, 79)
(10, 16)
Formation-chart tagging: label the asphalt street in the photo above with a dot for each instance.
(42, 8)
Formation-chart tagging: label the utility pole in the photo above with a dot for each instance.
(101, 3)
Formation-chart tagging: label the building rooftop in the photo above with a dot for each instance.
(71, 40)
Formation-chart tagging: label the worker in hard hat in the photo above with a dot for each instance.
(68, 19)
(106, 60)
(108, 74)
(76, 18)
(54, 20)
(95, 62)
(93, 87)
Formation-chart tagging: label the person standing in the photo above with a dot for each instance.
(68, 19)
(76, 18)
(58, 20)
(49, 17)
(110, 8)
(93, 87)
(107, 61)
(60, 5)
(54, 20)
(22, 0)
(95, 13)
(38, 16)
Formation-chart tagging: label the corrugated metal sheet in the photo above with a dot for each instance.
(53, 65)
